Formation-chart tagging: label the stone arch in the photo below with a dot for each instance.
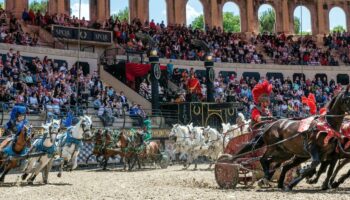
(36, 4)
(340, 14)
(303, 12)
(191, 13)
(162, 14)
(117, 6)
(266, 7)
(236, 7)
(84, 9)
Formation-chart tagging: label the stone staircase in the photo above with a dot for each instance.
(260, 49)
(45, 38)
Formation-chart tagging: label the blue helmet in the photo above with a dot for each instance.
(17, 111)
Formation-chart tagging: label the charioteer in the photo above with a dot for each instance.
(261, 95)
(14, 126)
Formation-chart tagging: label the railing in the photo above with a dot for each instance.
(92, 47)
(79, 110)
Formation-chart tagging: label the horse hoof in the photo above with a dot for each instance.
(280, 186)
(45, 182)
(30, 183)
(24, 176)
(263, 183)
(335, 185)
(311, 181)
(287, 189)
(59, 175)
(324, 187)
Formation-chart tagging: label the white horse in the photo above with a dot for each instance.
(183, 139)
(190, 143)
(44, 144)
(215, 142)
(241, 127)
(70, 142)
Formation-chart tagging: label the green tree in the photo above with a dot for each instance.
(198, 22)
(2, 5)
(296, 25)
(232, 23)
(40, 6)
(339, 29)
(122, 14)
(267, 21)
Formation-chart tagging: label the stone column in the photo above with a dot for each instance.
(285, 17)
(132, 10)
(251, 19)
(170, 11)
(16, 7)
(99, 10)
(215, 14)
(180, 11)
(321, 25)
(138, 9)
(59, 6)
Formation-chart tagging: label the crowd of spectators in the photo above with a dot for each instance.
(285, 98)
(295, 51)
(45, 86)
(11, 31)
(174, 41)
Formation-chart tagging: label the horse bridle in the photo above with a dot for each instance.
(84, 127)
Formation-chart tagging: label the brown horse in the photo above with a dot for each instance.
(148, 150)
(105, 146)
(127, 152)
(7, 163)
(284, 141)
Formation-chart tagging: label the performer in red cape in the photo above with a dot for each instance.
(261, 95)
(194, 86)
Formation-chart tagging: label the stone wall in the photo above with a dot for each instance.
(213, 12)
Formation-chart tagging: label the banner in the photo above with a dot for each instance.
(90, 35)
(134, 70)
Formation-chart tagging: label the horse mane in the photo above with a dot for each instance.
(330, 104)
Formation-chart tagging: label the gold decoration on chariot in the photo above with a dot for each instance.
(231, 111)
(196, 110)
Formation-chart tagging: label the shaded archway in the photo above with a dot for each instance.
(267, 18)
(231, 17)
(195, 14)
(2, 4)
(120, 9)
(80, 9)
(158, 11)
(337, 20)
(37, 5)
(302, 20)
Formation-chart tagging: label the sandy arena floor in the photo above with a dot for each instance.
(171, 183)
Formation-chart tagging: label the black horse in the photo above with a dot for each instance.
(284, 142)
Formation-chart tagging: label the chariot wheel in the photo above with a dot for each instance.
(226, 174)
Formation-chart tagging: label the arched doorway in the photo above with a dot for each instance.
(337, 20)
(158, 11)
(120, 9)
(80, 9)
(231, 17)
(302, 21)
(267, 19)
(195, 14)
(37, 5)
